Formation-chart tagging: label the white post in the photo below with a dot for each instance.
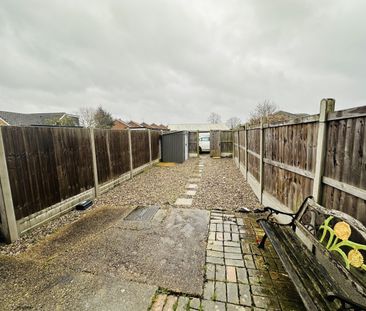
(95, 167)
(150, 151)
(326, 105)
(8, 221)
(130, 152)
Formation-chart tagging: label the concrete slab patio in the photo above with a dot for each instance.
(92, 267)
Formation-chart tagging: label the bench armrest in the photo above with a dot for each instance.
(272, 211)
(345, 300)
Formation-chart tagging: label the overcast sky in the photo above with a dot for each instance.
(176, 61)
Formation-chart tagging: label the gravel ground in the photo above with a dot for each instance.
(158, 185)
(223, 187)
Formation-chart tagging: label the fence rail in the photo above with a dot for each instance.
(322, 155)
(46, 171)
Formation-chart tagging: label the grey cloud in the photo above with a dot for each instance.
(176, 61)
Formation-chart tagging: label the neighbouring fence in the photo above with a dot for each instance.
(225, 142)
(322, 155)
(193, 143)
(45, 171)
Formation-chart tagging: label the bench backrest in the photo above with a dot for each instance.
(338, 236)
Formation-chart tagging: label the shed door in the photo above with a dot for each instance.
(215, 144)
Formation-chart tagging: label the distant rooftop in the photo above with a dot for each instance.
(119, 124)
(290, 114)
(203, 127)
(28, 119)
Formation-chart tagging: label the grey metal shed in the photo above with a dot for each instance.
(174, 147)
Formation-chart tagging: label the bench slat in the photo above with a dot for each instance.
(283, 240)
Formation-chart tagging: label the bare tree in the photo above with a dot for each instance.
(64, 121)
(265, 109)
(214, 118)
(87, 117)
(233, 122)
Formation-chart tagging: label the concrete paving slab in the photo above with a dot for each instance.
(191, 192)
(184, 201)
(168, 251)
(192, 186)
(83, 291)
(111, 294)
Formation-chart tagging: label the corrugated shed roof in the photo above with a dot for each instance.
(203, 127)
(26, 119)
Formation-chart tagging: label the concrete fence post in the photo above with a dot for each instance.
(94, 159)
(8, 221)
(326, 105)
(238, 147)
(261, 163)
(130, 152)
(246, 151)
(150, 151)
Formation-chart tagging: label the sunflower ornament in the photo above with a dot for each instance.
(338, 239)
(355, 258)
(342, 230)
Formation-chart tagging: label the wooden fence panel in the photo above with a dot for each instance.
(155, 143)
(254, 140)
(291, 167)
(192, 142)
(242, 146)
(345, 162)
(287, 187)
(253, 166)
(294, 145)
(254, 147)
(235, 144)
(226, 141)
(140, 147)
(111, 147)
(46, 166)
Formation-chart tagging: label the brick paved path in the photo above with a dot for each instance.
(239, 276)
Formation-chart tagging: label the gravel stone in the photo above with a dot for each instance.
(223, 187)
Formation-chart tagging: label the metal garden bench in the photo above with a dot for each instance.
(327, 264)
